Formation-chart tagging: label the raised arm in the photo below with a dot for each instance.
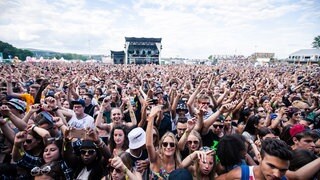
(9, 87)
(305, 172)
(174, 105)
(224, 108)
(192, 98)
(7, 131)
(149, 138)
(17, 150)
(99, 123)
(21, 125)
(183, 140)
(132, 116)
(143, 119)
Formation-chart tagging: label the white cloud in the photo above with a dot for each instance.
(189, 28)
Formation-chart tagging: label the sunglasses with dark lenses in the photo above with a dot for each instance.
(89, 151)
(28, 141)
(111, 169)
(165, 144)
(220, 126)
(193, 142)
(297, 114)
(207, 103)
(36, 171)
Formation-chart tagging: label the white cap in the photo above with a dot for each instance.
(137, 138)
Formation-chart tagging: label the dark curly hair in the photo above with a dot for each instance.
(230, 148)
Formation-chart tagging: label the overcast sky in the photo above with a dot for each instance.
(188, 28)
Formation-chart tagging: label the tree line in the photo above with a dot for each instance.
(10, 51)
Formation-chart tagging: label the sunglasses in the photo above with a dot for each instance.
(207, 103)
(261, 111)
(297, 114)
(216, 126)
(111, 169)
(193, 142)
(165, 144)
(36, 171)
(28, 141)
(89, 151)
(181, 129)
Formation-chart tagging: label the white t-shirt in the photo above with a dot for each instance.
(86, 121)
(84, 174)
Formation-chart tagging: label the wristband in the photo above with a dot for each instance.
(33, 126)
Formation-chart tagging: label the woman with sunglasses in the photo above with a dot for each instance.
(201, 163)
(167, 159)
(191, 139)
(294, 116)
(49, 166)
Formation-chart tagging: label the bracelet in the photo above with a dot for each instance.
(33, 126)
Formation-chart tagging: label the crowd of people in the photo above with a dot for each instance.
(232, 120)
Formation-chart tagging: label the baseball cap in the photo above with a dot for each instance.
(79, 101)
(296, 129)
(87, 144)
(137, 138)
(44, 117)
(18, 104)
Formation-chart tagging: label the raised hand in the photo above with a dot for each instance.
(9, 78)
(154, 111)
(92, 134)
(34, 108)
(106, 102)
(191, 124)
(20, 138)
(58, 121)
(5, 110)
(51, 102)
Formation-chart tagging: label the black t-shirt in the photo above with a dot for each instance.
(165, 124)
(89, 110)
(207, 139)
(144, 156)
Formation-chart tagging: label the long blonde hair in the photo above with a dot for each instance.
(177, 155)
(198, 136)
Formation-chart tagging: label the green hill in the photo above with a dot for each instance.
(9, 51)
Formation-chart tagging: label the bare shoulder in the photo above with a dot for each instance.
(235, 174)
